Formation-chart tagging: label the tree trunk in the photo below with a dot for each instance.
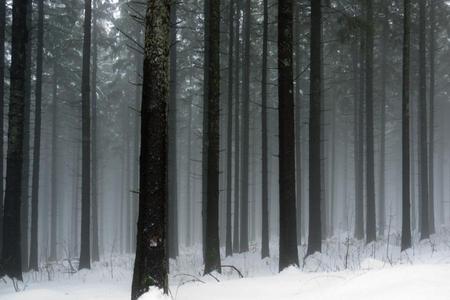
(37, 141)
(315, 231)
(54, 170)
(286, 125)
(406, 217)
(384, 55)
(212, 247)
(2, 104)
(245, 136)
(11, 254)
(85, 250)
(370, 180)
(151, 263)
(432, 54)
(95, 139)
(265, 252)
(422, 127)
(173, 185)
(228, 241)
(237, 141)
(25, 196)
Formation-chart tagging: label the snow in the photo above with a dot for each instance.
(346, 269)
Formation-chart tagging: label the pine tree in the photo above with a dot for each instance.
(151, 263)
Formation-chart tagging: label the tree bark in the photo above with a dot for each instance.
(370, 180)
(151, 263)
(245, 136)
(173, 185)
(422, 127)
(11, 254)
(85, 248)
(33, 265)
(315, 197)
(212, 246)
(406, 189)
(54, 170)
(2, 104)
(286, 125)
(265, 252)
(228, 239)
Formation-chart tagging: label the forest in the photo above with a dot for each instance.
(224, 149)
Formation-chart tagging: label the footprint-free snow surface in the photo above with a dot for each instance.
(346, 270)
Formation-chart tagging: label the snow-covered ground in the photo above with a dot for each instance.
(346, 270)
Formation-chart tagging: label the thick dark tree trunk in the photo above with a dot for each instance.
(173, 185)
(95, 139)
(2, 104)
(265, 252)
(54, 170)
(11, 254)
(370, 180)
(37, 141)
(205, 127)
(315, 230)
(245, 136)
(237, 140)
(229, 171)
(406, 215)
(212, 246)
(25, 210)
(151, 264)
(422, 127)
(286, 125)
(85, 248)
(432, 55)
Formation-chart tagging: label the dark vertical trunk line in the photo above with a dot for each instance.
(95, 139)
(432, 55)
(315, 192)
(34, 263)
(212, 245)
(228, 239)
(11, 254)
(2, 104)
(370, 180)
(173, 185)
(85, 250)
(286, 128)
(422, 127)
(406, 189)
(54, 170)
(265, 252)
(245, 136)
(151, 263)
(237, 140)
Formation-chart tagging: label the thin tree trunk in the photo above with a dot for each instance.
(95, 139)
(286, 127)
(370, 180)
(228, 242)
(2, 104)
(243, 241)
(432, 54)
(11, 254)
(151, 263)
(315, 197)
(423, 148)
(265, 251)
(173, 185)
(54, 170)
(37, 141)
(237, 141)
(406, 218)
(85, 250)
